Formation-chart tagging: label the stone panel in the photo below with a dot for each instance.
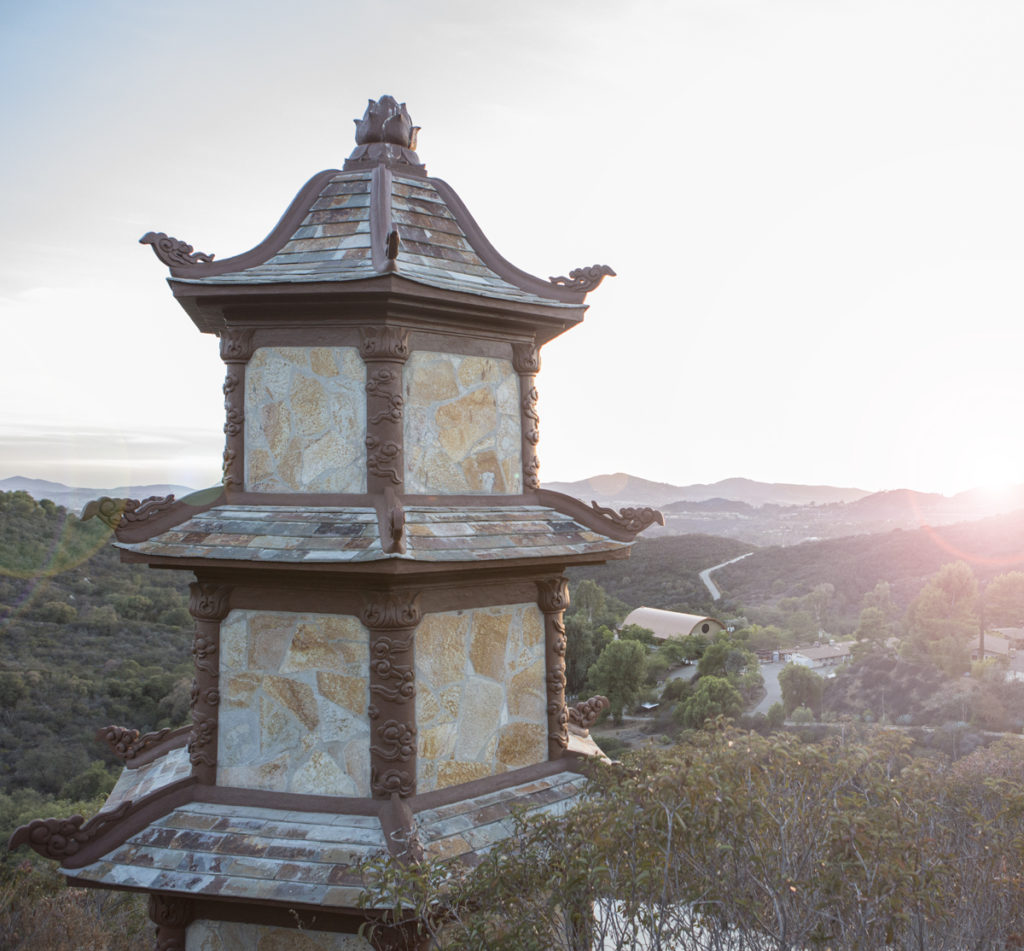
(462, 425)
(480, 694)
(203, 935)
(293, 709)
(305, 420)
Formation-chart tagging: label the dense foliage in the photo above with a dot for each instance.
(736, 842)
(84, 642)
(855, 565)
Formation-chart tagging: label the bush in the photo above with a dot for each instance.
(802, 715)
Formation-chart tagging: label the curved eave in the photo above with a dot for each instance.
(232, 271)
(273, 242)
(390, 295)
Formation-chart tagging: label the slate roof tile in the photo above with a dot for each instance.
(303, 857)
(331, 244)
(326, 534)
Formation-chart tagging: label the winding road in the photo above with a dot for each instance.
(705, 575)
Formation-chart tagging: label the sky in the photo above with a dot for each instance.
(814, 209)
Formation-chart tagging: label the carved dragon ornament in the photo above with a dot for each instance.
(62, 838)
(112, 511)
(633, 520)
(584, 278)
(172, 252)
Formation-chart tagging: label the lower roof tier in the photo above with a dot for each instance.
(309, 857)
(350, 534)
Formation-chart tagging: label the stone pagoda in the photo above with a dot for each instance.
(379, 591)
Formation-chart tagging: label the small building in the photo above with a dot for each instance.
(996, 646)
(1015, 635)
(827, 655)
(666, 624)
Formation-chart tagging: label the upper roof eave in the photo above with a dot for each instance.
(386, 295)
(201, 270)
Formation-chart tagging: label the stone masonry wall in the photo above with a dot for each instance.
(305, 420)
(462, 425)
(293, 707)
(480, 694)
(205, 935)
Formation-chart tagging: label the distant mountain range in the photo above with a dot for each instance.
(75, 497)
(623, 489)
(785, 514)
(762, 513)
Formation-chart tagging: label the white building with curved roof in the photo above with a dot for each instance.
(666, 624)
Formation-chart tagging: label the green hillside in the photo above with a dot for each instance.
(85, 642)
(856, 564)
(664, 572)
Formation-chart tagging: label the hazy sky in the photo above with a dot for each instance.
(814, 208)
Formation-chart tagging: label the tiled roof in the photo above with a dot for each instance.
(257, 852)
(326, 534)
(332, 243)
(135, 783)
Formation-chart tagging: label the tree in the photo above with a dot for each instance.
(589, 600)
(619, 675)
(713, 697)
(634, 632)
(877, 622)
(734, 840)
(943, 618)
(1004, 600)
(801, 687)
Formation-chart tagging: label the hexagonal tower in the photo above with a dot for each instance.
(379, 647)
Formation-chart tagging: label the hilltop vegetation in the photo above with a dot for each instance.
(86, 642)
(664, 572)
(734, 841)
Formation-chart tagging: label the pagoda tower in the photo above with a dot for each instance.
(379, 582)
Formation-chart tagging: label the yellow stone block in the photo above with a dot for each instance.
(488, 644)
(295, 696)
(430, 379)
(349, 693)
(270, 635)
(441, 648)
(464, 422)
(522, 744)
(309, 406)
(484, 472)
(321, 361)
(454, 772)
(476, 370)
(527, 693)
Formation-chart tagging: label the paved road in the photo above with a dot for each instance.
(705, 575)
(770, 672)
(682, 673)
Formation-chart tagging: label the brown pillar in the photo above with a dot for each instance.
(391, 618)
(526, 361)
(235, 351)
(208, 604)
(384, 350)
(171, 916)
(553, 598)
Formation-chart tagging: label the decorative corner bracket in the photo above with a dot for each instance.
(583, 715)
(633, 520)
(172, 252)
(62, 838)
(127, 743)
(584, 278)
(112, 511)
